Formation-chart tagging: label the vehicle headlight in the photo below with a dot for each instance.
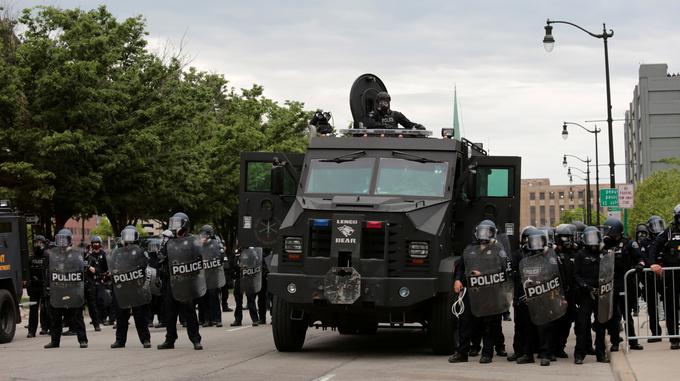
(419, 249)
(293, 245)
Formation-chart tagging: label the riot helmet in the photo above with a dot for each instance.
(613, 231)
(485, 231)
(641, 231)
(207, 232)
(153, 246)
(676, 214)
(656, 225)
(536, 240)
(179, 222)
(129, 235)
(96, 242)
(382, 102)
(524, 234)
(592, 236)
(566, 235)
(63, 238)
(39, 241)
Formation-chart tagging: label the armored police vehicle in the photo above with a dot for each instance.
(13, 250)
(364, 229)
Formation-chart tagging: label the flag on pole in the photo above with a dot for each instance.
(456, 123)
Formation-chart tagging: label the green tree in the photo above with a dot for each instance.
(655, 195)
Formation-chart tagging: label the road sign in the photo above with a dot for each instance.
(626, 196)
(33, 220)
(609, 197)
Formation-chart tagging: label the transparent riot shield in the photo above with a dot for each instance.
(251, 269)
(66, 277)
(211, 251)
(488, 285)
(605, 291)
(131, 285)
(540, 274)
(187, 279)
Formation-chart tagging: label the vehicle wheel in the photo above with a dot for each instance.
(8, 317)
(443, 325)
(289, 335)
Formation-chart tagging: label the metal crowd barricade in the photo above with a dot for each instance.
(652, 303)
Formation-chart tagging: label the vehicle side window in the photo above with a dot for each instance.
(259, 178)
(494, 182)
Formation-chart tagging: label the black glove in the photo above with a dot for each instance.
(639, 268)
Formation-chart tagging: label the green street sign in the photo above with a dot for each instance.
(609, 197)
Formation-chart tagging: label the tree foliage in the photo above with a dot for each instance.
(93, 123)
(655, 195)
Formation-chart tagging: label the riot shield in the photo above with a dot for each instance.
(131, 284)
(212, 264)
(66, 272)
(187, 279)
(488, 285)
(542, 285)
(251, 270)
(154, 281)
(605, 291)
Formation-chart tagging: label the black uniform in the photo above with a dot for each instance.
(653, 286)
(238, 298)
(626, 256)
(141, 317)
(529, 337)
(173, 308)
(94, 285)
(469, 324)
(389, 120)
(562, 326)
(586, 277)
(37, 294)
(156, 307)
(666, 250)
(60, 316)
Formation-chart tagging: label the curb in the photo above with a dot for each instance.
(621, 369)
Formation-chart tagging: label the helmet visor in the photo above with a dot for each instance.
(175, 223)
(656, 226)
(128, 235)
(536, 242)
(592, 237)
(154, 246)
(485, 232)
(62, 240)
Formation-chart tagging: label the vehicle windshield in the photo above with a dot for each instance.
(340, 177)
(402, 177)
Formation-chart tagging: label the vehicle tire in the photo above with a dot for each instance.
(442, 325)
(8, 317)
(289, 335)
(347, 329)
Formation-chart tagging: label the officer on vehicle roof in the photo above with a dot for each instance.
(383, 117)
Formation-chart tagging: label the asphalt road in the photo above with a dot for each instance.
(248, 353)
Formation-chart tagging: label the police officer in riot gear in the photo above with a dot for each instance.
(238, 298)
(209, 304)
(383, 117)
(130, 236)
(59, 315)
(96, 270)
(653, 283)
(666, 251)
(485, 236)
(565, 248)
(36, 289)
(179, 226)
(586, 277)
(626, 256)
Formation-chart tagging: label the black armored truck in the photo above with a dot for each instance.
(364, 229)
(13, 258)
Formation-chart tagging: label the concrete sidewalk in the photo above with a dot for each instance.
(656, 362)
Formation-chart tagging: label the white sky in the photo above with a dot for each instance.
(513, 95)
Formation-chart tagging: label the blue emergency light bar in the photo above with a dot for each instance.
(321, 223)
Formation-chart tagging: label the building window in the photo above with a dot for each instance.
(542, 214)
(532, 196)
(532, 213)
(561, 195)
(571, 206)
(552, 214)
(581, 194)
(552, 195)
(541, 196)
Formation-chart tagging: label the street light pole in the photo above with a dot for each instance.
(589, 210)
(549, 43)
(595, 132)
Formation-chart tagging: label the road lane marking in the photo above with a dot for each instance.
(325, 378)
(237, 329)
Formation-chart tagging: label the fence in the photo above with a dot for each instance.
(656, 299)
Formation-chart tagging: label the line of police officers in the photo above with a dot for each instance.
(180, 272)
(577, 280)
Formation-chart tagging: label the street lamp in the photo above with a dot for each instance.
(595, 131)
(549, 43)
(587, 180)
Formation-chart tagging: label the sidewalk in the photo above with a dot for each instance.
(655, 362)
